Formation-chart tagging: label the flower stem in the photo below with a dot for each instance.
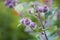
(40, 21)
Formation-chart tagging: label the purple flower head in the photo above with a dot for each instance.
(15, 2)
(7, 2)
(33, 25)
(25, 21)
(10, 3)
(39, 9)
(45, 9)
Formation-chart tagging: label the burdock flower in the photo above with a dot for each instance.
(39, 9)
(25, 21)
(11, 3)
(45, 9)
(7, 2)
(33, 25)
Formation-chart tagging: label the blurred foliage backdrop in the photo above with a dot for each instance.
(9, 21)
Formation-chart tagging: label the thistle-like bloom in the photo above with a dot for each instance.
(25, 21)
(7, 2)
(33, 25)
(28, 22)
(11, 3)
(45, 9)
(39, 9)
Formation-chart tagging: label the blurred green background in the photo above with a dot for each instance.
(8, 25)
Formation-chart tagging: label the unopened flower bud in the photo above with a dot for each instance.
(30, 10)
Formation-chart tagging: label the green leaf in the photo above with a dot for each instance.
(51, 30)
(53, 37)
(48, 13)
(52, 11)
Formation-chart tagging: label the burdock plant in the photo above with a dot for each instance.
(37, 18)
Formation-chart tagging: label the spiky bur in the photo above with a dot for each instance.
(11, 3)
